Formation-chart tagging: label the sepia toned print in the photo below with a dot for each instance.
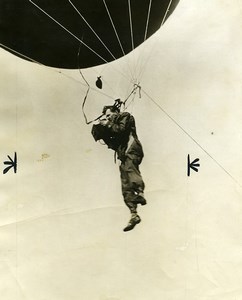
(62, 208)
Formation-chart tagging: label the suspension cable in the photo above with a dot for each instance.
(92, 29)
(162, 23)
(114, 28)
(147, 21)
(63, 27)
(135, 88)
(54, 70)
(167, 10)
(189, 135)
(131, 25)
(117, 36)
(72, 34)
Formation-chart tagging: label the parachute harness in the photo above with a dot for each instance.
(117, 103)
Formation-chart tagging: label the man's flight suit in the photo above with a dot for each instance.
(130, 153)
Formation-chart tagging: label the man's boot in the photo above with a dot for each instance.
(135, 219)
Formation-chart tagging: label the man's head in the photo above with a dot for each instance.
(110, 111)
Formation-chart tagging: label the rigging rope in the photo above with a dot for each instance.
(135, 60)
(103, 59)
(117, 36)
(84, 102)
(54, 70)
(148, 20)
(131, 25)
(138, 64)
(164, 18)
(114, 28)
(135, 88)
(20, 54)
(184, 131)
(142, 68)
(97, 36)
(117, 103)
(63, 27)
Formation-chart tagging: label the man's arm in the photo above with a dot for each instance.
(120, 125)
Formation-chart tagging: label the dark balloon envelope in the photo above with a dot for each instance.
(79, 33)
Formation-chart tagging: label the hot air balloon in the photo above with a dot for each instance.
(52, 32)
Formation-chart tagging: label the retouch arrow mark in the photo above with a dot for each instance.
(192, 165)
(11, 163)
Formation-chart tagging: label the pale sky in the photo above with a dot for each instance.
(62, 214)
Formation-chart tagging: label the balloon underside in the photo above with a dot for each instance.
(79, 34)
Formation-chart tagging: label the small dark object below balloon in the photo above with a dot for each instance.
(99, 83)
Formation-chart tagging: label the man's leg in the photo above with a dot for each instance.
(127, 190)
(129, 198)
(136, 183)
(131, 167)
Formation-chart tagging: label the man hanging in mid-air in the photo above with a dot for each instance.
(117, 129)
